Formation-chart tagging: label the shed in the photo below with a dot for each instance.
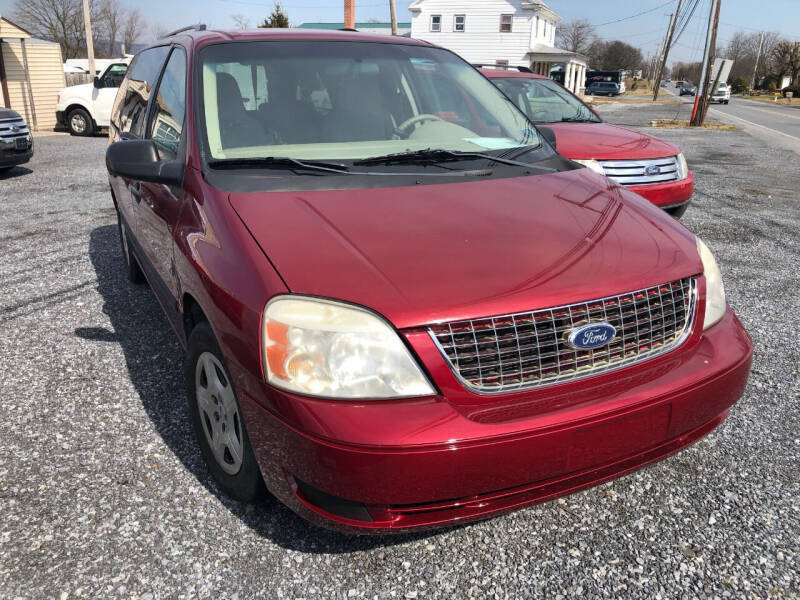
(31, 75)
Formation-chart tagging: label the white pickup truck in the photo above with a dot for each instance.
(722, 94)
(85, 108)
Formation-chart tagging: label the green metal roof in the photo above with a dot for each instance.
(364, 25)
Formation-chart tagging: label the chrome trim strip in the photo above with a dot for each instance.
(687, 330)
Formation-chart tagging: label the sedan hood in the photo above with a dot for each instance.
(606, 141)
(433, 253)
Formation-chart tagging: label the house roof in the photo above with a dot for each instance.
(361, 25)
(11, 30)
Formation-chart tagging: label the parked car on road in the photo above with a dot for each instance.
(85, 108)
(644, 164)
(688, 89)
(16, 142)
(680, 83)
(402, 308)
(603, 88)
(722, 94)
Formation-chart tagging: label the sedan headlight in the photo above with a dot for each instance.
(323, 348)
(683, 168)
(715, 290)
(591, 164)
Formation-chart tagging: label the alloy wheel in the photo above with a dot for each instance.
(219, 413)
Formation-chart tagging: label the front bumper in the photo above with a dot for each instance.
(10, 155)
(666, 195)
(422, 463)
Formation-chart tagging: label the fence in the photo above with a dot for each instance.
(77, 78)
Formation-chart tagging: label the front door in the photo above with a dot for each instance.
(159, 205)
(104, 95)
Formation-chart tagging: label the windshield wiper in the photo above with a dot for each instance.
(267, 162)
(434, 155)
(576, 120)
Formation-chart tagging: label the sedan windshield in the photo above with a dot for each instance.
(544, 101)
(335, 100)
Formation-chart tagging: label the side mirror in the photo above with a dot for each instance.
(548, 134)
(139, 160)
(97, 82)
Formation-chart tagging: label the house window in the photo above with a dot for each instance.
(505, 23)
(459, 21)
(436, 22)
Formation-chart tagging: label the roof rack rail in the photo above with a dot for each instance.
(197, 27)
(505, 67)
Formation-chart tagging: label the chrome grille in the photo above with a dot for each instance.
(530, 349)
(634, 172)
(11, 129)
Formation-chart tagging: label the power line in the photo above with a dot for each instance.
(644, 12)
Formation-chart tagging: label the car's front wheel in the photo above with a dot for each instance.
(217, 419)
(132, 268)
(80, 122)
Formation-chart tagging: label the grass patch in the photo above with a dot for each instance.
(794, 103)
(676, 124)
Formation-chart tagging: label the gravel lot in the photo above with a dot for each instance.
(104, 494)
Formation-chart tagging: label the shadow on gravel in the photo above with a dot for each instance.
(154, 360)
(14, 172)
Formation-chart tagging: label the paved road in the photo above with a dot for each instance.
(775, 124)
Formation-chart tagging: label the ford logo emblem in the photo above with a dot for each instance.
(653, 170)
(591, 335)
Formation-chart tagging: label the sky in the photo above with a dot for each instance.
(645, 31)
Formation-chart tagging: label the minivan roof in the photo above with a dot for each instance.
(202, 37)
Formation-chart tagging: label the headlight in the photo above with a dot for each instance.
(323, 348)
(683, 168)
(715, 291)
(591, 164)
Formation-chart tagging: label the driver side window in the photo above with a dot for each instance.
(113, 77)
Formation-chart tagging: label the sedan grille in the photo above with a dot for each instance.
(11, 129)
(642, 172)
(530, 349)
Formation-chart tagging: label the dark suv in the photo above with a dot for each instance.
(16, 143)
(402, 308)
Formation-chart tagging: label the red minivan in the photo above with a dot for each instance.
(401, 307)
(647, 165)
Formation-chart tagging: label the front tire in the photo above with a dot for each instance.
(132, 269)
(217, 419)
(80, 122)
(678, 211)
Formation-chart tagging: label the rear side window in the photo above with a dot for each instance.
(130, 113)
(170, 107)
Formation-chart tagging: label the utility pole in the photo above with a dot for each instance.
(87, 22)
(657, 76)
(758, 58)
(673, 23)
(393, 14)
(704, 90)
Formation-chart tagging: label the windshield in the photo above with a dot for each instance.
(544, 101)
(336, 100)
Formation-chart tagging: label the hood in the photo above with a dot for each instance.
(7, 113)
(434, 253)
(77, 90)
(606, 141)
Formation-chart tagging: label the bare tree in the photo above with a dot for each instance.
(159, 31)
(111, 17)
(241, 21)
(786, 55)
(133, 29)
(57, 20)
(576, 36)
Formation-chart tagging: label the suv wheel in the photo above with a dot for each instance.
(217, 418)
(79, 122)
(132, 268)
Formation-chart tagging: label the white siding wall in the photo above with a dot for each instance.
(482, 41)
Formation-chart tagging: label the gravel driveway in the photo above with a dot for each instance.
(103, 493)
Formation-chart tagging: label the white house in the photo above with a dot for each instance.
(501, 32)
